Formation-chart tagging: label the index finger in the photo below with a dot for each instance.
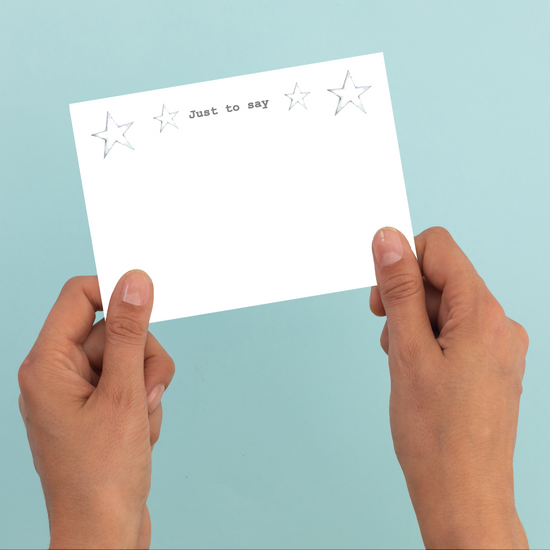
(443, 262)
(73, 314)
(462, 291)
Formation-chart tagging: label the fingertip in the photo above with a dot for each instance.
(387, 246)
(137, 288)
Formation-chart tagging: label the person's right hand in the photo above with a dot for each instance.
(456, 365)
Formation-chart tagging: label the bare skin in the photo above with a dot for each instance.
(90, 401)
(456, 364)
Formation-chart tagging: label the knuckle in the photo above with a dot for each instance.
(126, 330)
(155, 435)
(24, 379)
(505, 344)
(72, 284)
(401, 286)
(26, 375)
(438, 232)
(168, 364)
(35, 376)
(490, 314)
(522, 335)
(495, 318)
(171, 365)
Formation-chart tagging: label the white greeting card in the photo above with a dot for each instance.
(246, 190)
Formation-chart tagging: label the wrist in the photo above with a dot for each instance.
(102, 524)
(476, 523)
(464, 510)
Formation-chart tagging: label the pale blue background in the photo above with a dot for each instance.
(276, 428)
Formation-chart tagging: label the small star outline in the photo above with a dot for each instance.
(166, 118)
(297, 97)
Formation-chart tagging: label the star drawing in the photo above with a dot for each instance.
(349, 93)
(297, 97)
(166, 118)
(113, 134)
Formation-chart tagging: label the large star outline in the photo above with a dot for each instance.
(113, 134)
(349, 93)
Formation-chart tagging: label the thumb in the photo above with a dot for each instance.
(401, 289)
(126, 328)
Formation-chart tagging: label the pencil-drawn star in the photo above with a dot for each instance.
(349, 93)
(297, 97)
(113, 133)
(166, 118)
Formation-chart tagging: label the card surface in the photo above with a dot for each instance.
(246, 190)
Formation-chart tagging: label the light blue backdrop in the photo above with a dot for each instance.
(276, 429)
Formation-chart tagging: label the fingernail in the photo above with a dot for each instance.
(154, 397)
(387, 245)
(136, 288)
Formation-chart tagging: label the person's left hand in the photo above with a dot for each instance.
(90, 400)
